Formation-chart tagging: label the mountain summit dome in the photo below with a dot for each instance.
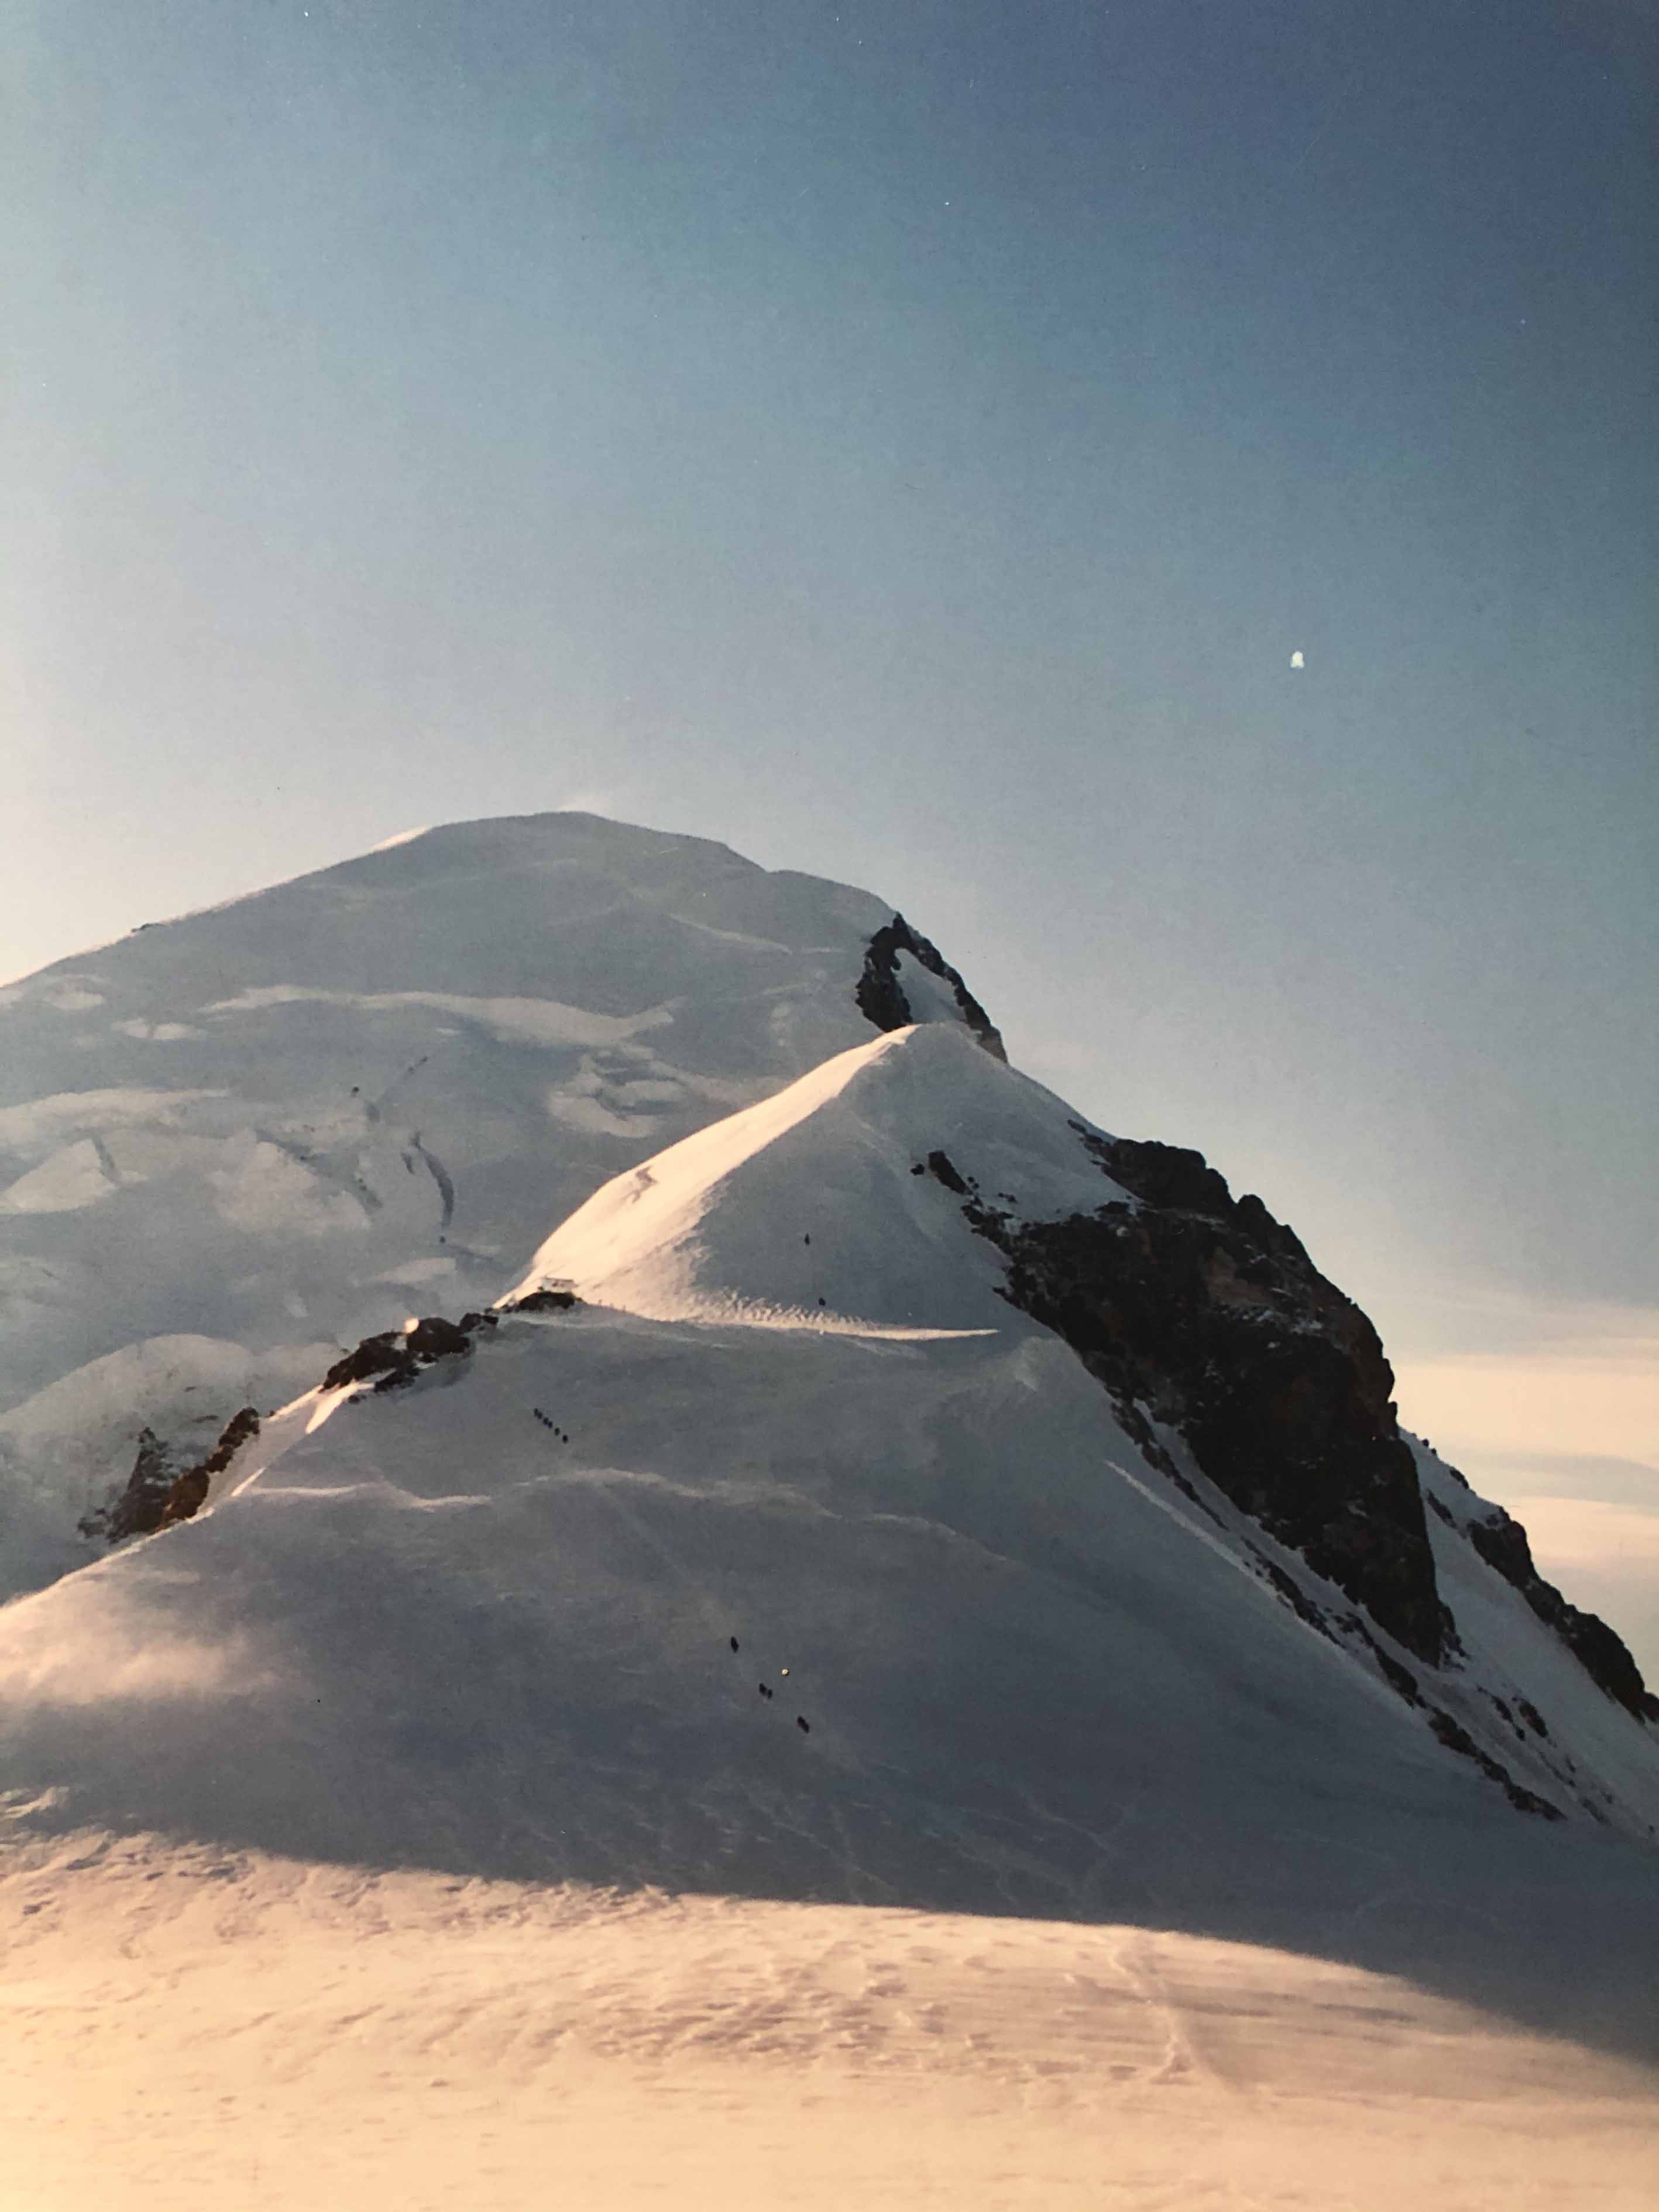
(233, 1143)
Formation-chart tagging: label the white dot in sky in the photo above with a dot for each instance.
(1296, 661)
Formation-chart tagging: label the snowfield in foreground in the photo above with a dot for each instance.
(904, 1661)
(197, 2031)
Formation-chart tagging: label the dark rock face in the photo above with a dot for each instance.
(1400, 1679)
(189, 1494)
(1459, 1740)
(376, 1355)
(1502, 1543)
(542, 1301)
(157, 1493)
(1208, 1313)
(395, 1357)
(1166, 1176)
(881, 997)
(436, 1338)
(139, 1507)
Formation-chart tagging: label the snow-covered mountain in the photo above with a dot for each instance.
(232, 1144)
(864, 1485)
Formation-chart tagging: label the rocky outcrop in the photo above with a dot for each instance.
(385, 1356)
(396, 1356)
(189, 1493)
(1205, 1314)
(157, 1493)
(1502, 1543)
(435, 1338)
(1458, 1739)
(138, 1507)
(880, 995)
(542, 1302)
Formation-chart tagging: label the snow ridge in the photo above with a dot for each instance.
(258, 1126)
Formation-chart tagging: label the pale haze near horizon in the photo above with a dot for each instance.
(914, 446)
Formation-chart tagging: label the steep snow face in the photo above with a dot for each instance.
(912, 1187)
(278, 1124)
(819, 1204)
(1524, 1674)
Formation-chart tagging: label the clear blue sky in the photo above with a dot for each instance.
(907, 442)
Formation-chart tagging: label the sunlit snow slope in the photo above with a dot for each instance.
(648, 1729)
(557, 1606)
(815, 1206)
(233, 1143)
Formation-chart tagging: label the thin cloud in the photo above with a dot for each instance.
(607, 802)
